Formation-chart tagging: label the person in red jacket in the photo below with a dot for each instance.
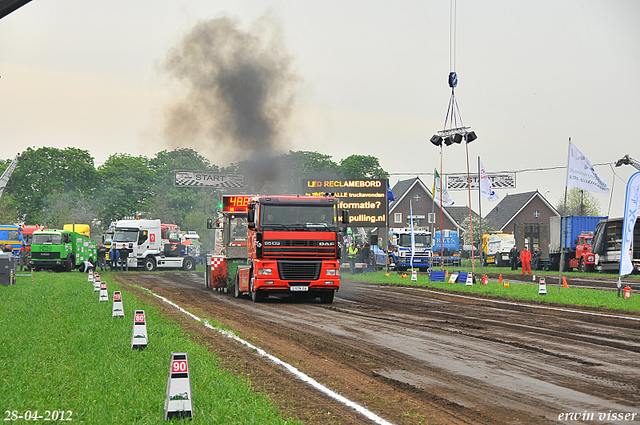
(525, 258)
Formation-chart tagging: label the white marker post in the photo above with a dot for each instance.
(414, 275)
(104, 295)
(139, 337)
(90, 278)
(542, 287)
(178, 399)
(469, 279)
(96, 282)
(117, 310)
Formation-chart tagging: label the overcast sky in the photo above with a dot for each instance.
(368, 77)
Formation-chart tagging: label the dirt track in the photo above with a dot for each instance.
(414, 356)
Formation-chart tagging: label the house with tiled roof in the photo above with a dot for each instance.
(422, 205)
(528, 207)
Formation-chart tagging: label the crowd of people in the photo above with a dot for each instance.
(529, 262)
(357, 253)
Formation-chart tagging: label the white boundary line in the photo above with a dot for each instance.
(305, 378)
(611, 316)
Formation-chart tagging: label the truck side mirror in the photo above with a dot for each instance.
(209, 223)
(251, 219)
(344, 215)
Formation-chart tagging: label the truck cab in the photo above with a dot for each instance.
(143, 240)
(400, 249)
(278, 245)
(60, 250)
(584, 259)
(496, 248)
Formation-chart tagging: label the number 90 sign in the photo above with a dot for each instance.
(179, 366)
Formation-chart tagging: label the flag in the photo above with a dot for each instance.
(631, 206)
(438, 191)
(389, 193)
(580, 173)
(485, 185)
(413, 237)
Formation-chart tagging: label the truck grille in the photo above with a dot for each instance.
(45, 255)
(299, 270)
(293, 248)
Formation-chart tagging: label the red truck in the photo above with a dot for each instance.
(289, 247)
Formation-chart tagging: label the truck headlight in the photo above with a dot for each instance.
(332, 272)
(264, 271)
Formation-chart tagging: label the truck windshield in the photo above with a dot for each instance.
(421, 240)
(52, 239)
(316, 218)
(125, 235)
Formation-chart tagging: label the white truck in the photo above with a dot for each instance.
(143, 240)
(496, 248)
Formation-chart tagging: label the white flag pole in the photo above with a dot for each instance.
(563, 221)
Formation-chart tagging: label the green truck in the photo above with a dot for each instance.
(60, 250)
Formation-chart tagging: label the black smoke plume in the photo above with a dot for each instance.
(240, 92)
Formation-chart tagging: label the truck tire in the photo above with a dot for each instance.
(584, 267)
(189, 264)
(256, 296)
(68, 265)
(327, 297)
(236, 287)
(149, 264)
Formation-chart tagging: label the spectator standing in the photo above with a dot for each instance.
(124, 254)
(513, 258)
(102, 257)
(24, 257)
(537, 253)
(525, 257)
(352, 253)
(113, 253)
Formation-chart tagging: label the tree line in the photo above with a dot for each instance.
(53, 187)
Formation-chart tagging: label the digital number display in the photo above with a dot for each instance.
(235, 203)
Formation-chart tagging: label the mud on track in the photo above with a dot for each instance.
(413, 356)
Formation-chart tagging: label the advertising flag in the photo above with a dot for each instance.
(631, 207)
(485, 185)
(439, 191)
(389, 193)
(580, 173)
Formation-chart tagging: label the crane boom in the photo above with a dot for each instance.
(7, 173)
(627, 160)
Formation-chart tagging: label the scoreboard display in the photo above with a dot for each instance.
(235, 203)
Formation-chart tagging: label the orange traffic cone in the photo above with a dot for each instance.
(446, 274)
(564, 282)
(500, 279)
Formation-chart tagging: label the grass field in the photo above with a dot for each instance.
(576, 296)
(60, 350)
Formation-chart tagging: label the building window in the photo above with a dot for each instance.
(536, 213)
(417, 197)
(397, 217)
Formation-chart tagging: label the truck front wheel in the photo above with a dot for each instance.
(327, 297)
(189, 264)
(149, 264)
(584, 267)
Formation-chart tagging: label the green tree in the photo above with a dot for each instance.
(47, 172)
(125, 188)
(579, 202)
(173, 204)
(362, 167)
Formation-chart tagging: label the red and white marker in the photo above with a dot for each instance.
(139, 338)
(117, 310)
(178, 400)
